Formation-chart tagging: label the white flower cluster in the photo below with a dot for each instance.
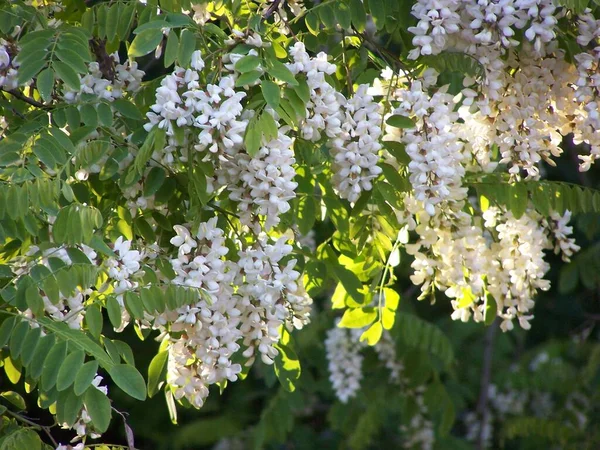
(248, 300)
(125, 77)
(262, 184)
(437, 155)
(8, 67)
(529, 92)
(587, 88)
(484, 23)
(352, 127)
(355, 149)
(122, 271)
(324, 106)
(70, 306)
(419, 431)
(473, 425)
(386, 352)
(503, 256)
(342, 347)
(343, 351)
(519, 262)
(563, 244)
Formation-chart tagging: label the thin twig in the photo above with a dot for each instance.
(18, 94)
(274, 6)
(486, 375)
(45, 429)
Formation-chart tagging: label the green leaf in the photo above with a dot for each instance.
(45, 84)
(157, 372)
(307, 214)
(569, 278)
(113, 21)
(134, 305)
(127, 109)
(398, 121)
(12, 369)
(303, 91)
(98, 407)
(71, 407)
(126, 20)
(51, 289)
(129, 379)
(253, 138)
(287, 367)
(68, 370)
(45, 344)
(84, 377)
(72, 59)
(114, 311)
(14, 398)
(52, 365)
(281, 72)
(247, 63)
(6, 329)
(358, 15)
(271, 93)
(187, 46)
(392, 299)
(89, 115)
(67, 75)
(29, 345)
(267, 125)
(153, 25)
(358, 317)
(373, 334)
(21, 438)
(105, 114)
(342, 15)
(377, 10)
(30, 69)
(77, 339)
(18, 337)
(145, 42)
(248, 78)
(518, 199)
(156, 177)
(491, 308)
(125, 351)
(312, 22)
(327, 16)
(171, 49)
(349, 280)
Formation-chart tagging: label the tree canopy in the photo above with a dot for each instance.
(299, 224)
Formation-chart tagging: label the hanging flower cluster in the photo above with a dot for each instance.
(249, 298)
(522, 104)
(344, 355)
(109, 82)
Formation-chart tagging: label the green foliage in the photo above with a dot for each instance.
(416, 333)
(68, 166)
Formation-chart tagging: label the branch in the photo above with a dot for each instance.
(18, 94)
(486, 375)
(274, 6)
(45, 429)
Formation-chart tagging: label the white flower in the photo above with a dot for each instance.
(342, 348)
(4, 58)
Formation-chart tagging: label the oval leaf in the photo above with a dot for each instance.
(129, 379)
